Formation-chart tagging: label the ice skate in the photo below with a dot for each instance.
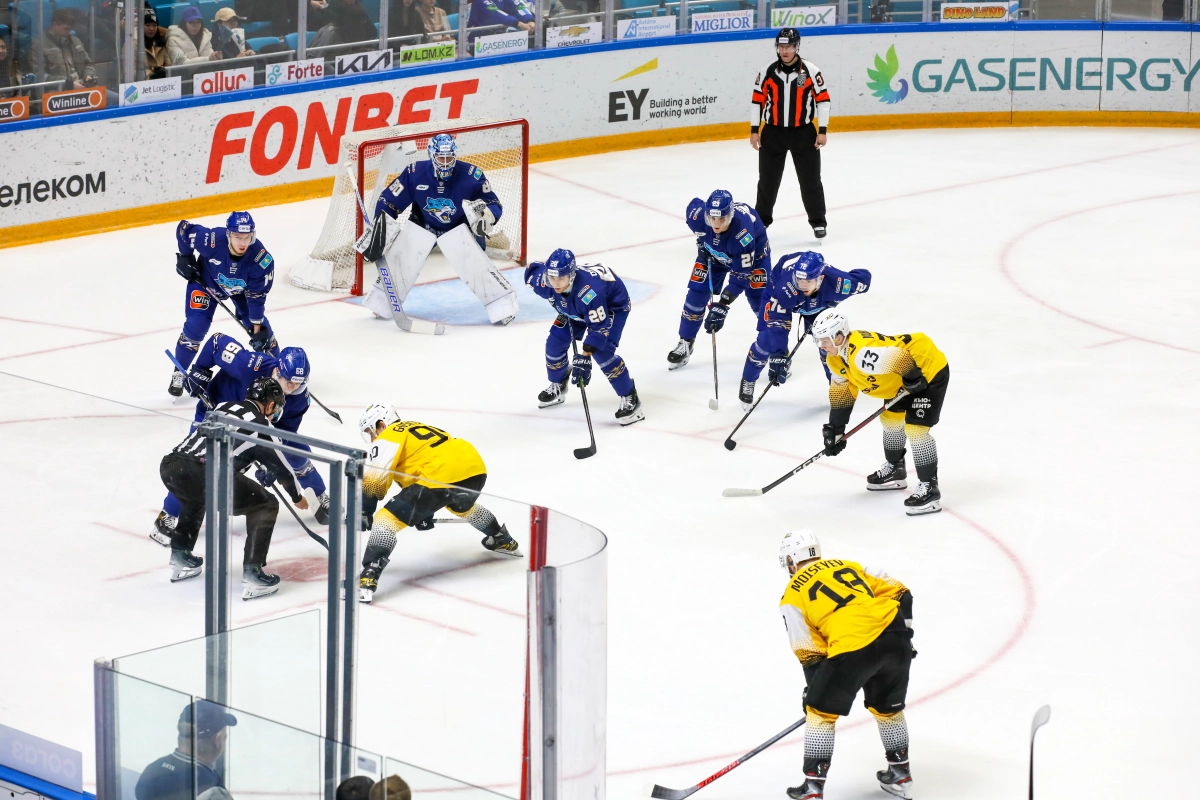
(889, 476)
(502, 544)
(746, 395)
(184, 565)
(819, 231)
(164, 528)
(322, 512)
(927, 499)
(176, 387)
(368, 582)
(680, 355)
(631, 409)
(896, 779)
(256, 583)
(553, 394)
(809, 790)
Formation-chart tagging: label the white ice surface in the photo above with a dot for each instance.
(1057, 270)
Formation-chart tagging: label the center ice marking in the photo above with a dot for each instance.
(451, 302)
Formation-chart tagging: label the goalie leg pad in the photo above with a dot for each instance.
(404, 261)
(479, 273)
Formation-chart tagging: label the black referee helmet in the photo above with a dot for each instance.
(788, 36)
(266, 390)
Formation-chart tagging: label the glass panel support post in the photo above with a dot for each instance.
(129, 62)
(610, 25)
(764, 18)
(462, 29)
(301, 29)
(539, 26)
(105, 700)
(383, 24)
(548, 678)
(333, 672)
(353, 472)
(218, 506)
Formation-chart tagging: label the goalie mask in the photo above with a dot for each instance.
(718, 210)
(368, 421)
(443, 154)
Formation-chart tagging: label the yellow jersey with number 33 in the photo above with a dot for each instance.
(875, 362)
(424, 454)
(834, 606)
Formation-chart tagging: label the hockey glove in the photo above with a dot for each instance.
(481, 218)
(373, 246)
(581, 369)
(716, 318)
(914, 381)
(834, 443)
(196, 381)
(264, 476)
(260, 340)
(779, 367)
(185, 265)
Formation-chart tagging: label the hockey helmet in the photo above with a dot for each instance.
(264, 391)
(240, 222)
(828, 324)
(798, 547)
(718, 209)
(368, 421)
(294, 367)
(443, 154)
(788, 36)
(561, 264)
(806, 266)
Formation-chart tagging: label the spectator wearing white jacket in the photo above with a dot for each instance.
(190, 42)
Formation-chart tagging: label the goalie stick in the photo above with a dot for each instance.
(203, 397)
(402, 320)
(244, 327)
(729, 442)
(663, 793)
(759, 492)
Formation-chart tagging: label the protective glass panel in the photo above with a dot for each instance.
(405, 781)
(148, 732)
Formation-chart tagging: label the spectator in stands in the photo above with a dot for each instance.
(499, 12)
(404, 19)
(8, 70)
(155, 42)
(61, 54)
(434, 20)
(190, 42)
(358, 787)
(230, 37)
(170, 777)
(393, 788)
(348, 22)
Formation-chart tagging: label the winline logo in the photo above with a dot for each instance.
(881, 78)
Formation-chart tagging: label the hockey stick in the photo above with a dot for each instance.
(590, 450)
(663, 793)
(729, 442)
(759, 492)
(1039, 719)
(248, 330)
(716, 401)
(402, 320)
(203, 397)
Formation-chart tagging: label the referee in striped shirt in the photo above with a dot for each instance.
(789, 97)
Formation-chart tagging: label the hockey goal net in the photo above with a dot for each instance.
(499, 148)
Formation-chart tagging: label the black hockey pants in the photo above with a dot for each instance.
(185, 476)
(775, 143)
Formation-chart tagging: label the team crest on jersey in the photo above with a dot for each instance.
(230, 285)
(441, 208)
(587, 296)
(699, 273)
(199, 300)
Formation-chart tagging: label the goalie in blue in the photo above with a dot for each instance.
(237, 367)
(593, 305)
(229, 262)
(731, 242)
(449, 203)
(801, 283)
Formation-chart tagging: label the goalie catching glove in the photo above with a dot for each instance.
(479, 217)
(373, 241)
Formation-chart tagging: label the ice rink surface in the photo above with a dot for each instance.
(1055, 268)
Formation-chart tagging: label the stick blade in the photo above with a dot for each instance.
(1040, 718)
(742, 493)
(730, 444)
(663, 793)
(713, 404)
(585, 452)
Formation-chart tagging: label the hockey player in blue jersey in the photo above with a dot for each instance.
(731, 242)
(238, 367)
(801, 283)
(449, 203)
(231, 263)
(592, 305)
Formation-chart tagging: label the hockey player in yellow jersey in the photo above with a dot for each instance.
(879, 365)
(434, 470)
(851, 628)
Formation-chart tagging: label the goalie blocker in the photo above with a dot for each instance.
(450, 203)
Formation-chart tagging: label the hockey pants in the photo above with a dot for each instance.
(697, 300)
(760, 351)
(198, 316)
(416, 503)
(558, 352)
(407, 255)
(185, 477)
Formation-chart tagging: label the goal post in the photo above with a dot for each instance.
(500, 148)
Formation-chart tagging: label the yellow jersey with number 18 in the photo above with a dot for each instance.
(834, 606)
(423, 454)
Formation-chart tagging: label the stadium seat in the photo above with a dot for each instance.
(644, 13)
(257, 29)
(292, 39)
(259, 42)
(453, 20)
(638, 3)
(372, 8)
(726, 5)
(699, 9)
(208, 10)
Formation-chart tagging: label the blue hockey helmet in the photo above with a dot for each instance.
(806, 266)
(240, 222)
(443, 154)
(294, 367)
(561, 264)
(718, 209)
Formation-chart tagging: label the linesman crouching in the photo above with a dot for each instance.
(434, 470)
(851, 628)
(183, 473)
